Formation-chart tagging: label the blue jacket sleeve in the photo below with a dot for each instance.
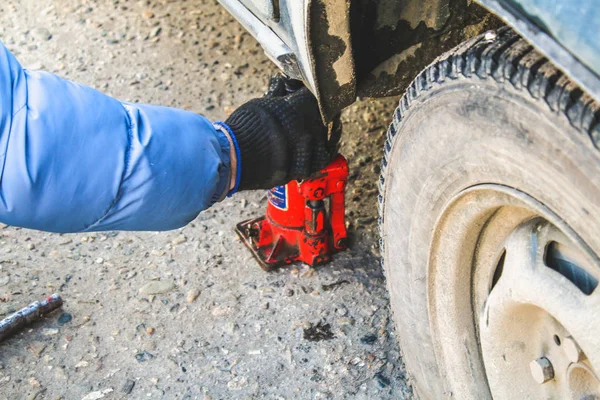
(73, 159)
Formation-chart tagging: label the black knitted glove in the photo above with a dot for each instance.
(281, 137)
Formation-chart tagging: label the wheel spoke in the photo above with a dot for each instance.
(526, 276)
(533, 301)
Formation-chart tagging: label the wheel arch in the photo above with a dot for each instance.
(375, 48)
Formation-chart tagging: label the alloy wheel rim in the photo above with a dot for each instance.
(515, 288)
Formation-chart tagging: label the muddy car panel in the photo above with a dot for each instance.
(344, 49)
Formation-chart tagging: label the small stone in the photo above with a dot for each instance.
(34, 382)
(288, 292)
(36, 348)
(30, 246)
(149, 345)
(237, 383)
(150, 331)
(4, 280)
(265, 290)
(221, 311)
(97, 395)
(192, 295)
(128, 386)
(382, 380)
(265, 306)
(308, 273)
(147, 14)
(158, 253)
(82, 364)
(179, 239)
(54, 254)
(356, 361)
(41, 34)
(156, 287)
(345, 321)
(130, 275)
(342, 311)
(232, 327)
(243, 203)
(154, 381)
(99, 260)
(144, 356)
(50, 332)
(368, 339)
(64, 318)
(155, 31)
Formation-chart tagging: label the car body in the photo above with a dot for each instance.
(344, 49)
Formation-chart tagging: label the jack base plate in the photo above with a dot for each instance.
(266, 257)
(278, 253)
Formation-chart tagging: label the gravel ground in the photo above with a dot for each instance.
(218, 327)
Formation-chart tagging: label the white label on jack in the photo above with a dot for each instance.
(278, 197)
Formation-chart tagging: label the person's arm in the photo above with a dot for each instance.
(73, 159)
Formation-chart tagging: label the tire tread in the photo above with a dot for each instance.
(505, 57)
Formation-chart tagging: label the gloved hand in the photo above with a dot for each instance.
(281, 137)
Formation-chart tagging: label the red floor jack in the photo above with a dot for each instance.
(296, 226)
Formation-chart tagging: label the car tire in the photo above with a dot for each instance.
(489, 220)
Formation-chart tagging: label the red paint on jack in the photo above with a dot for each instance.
(301, 229)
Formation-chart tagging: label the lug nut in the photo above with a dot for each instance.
(541, 370)
(572, 350)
